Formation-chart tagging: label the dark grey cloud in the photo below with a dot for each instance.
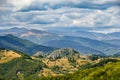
(3, 2)
(81, 4)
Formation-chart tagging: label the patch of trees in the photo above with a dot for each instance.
(109, 71)
(27, 67)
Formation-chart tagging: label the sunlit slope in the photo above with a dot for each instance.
(8, 55)
(109, 71)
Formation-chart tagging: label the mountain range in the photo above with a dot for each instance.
(78, 32)
(53, 32)
(84, 42)
(84, 45)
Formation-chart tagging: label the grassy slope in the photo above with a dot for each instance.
(15, 65)
(8, 55)
(110, 71)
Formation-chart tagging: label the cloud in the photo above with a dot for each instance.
(3, 3)
(45, 19)
(61, 13)
(29, 5)
(19, 4)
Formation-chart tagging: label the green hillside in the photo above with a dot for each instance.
(67, 64)
(25, 46)
(15, 65)
(20, 67)
(110, 71)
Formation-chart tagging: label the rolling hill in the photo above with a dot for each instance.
(75, 45)
(67, 64)
(18, 68)
(8, 55)
(25, 46)
(109, 71)
(84, 45)
(113, 41)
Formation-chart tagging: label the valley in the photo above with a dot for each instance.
(41, 55)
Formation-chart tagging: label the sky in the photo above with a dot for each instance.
(90, 15)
